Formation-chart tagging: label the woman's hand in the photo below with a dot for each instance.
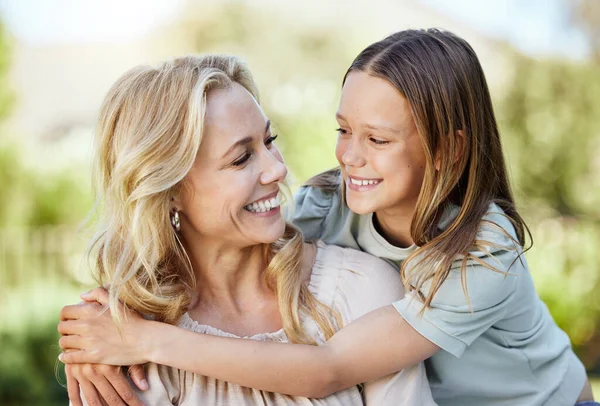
(91, 336)
(97, 382)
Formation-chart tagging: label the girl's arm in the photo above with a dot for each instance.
(377, 344)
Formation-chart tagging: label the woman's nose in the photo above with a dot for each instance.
(275, 170)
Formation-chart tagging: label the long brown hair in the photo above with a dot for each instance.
(149, 130)
(442, 79)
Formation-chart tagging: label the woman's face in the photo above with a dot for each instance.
(379, 149)
(232, 192)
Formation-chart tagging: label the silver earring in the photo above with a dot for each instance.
(175, 222)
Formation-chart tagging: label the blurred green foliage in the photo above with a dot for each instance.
(548, 117)
(30, 290)
(549, 121)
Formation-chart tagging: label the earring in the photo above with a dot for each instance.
(175, 222)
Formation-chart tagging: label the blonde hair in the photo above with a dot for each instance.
(149, 131)
(440, 76)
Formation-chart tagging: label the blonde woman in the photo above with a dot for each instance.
(192, 234)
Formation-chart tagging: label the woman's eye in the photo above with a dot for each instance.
(341, 131)
(242, 160)
(269, 140)
(378, 142)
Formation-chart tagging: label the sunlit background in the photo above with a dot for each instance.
(59, 57)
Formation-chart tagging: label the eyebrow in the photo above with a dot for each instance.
(371, 126)
(245, 141)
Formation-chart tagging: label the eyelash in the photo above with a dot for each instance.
(268, 142)
(270, 139)
(373, 140)
(378, 142)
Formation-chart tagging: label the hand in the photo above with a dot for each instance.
(92, 337)
(107, 382)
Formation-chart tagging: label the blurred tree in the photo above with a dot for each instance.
(549, 118)
(29, 199)
(6, 94)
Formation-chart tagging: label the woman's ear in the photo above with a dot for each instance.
(175, 202)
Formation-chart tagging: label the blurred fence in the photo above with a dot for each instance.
(38, 266)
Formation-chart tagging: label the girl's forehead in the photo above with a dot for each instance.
(368, 98)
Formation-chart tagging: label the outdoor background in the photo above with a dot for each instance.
(59, 57)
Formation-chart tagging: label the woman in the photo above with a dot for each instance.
(192, 234)
(422, 183)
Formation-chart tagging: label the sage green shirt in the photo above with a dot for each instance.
(503, 349)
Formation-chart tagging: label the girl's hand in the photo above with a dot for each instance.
(91, 336)
(107, 382)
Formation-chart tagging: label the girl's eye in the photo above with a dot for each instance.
(242, 160)
(341, 131)
(378, 142)
(269, 140)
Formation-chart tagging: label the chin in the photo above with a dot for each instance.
(274, 233)
(360, 207)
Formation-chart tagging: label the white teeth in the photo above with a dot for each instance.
(264, 205)
(363, 182)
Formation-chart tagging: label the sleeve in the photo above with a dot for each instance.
(163, 387)
(452, 322)
(311, 206)
(367, 283)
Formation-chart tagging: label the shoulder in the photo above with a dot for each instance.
(312, 204)
(352, 281)
(311, 198)
(497, 230)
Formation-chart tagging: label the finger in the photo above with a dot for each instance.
(80, 310)
(90, 393)
(124, 389)
(77, 357)
(71, 342)
(70, 327)
(107, 391)
(138, 376)
(73, 388)
(99, 295)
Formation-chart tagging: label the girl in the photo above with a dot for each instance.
(422, 183)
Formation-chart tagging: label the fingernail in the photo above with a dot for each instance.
(60, 357)
(84, 294)
(144, 384)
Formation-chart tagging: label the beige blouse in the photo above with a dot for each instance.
(350, 281)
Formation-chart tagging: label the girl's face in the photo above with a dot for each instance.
(379, 149)
(232, 192)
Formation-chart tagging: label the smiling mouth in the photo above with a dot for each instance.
(363, 182)
(263, 206)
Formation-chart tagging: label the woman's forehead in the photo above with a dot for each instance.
(232, 113)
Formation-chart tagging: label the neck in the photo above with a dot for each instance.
(394, 225)
(228, 278)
